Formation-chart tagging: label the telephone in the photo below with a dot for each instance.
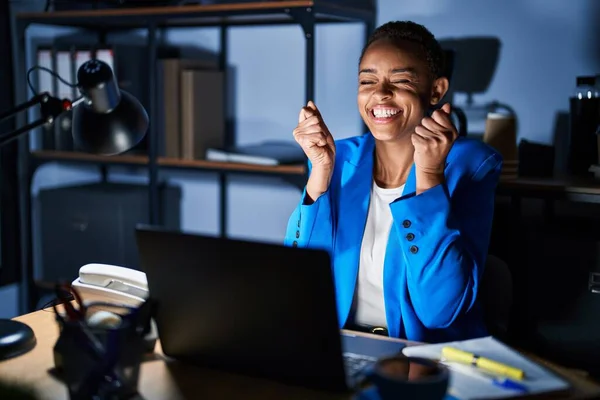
(115, 285)
(111, 283)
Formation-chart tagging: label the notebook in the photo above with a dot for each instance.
(464, 384)
(271, 152)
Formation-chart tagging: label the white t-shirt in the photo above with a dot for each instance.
(370, 307)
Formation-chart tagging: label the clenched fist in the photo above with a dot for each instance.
(432, 141)
(314, 137)
(317, 143)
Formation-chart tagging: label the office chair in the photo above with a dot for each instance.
(457, 112)
(470, 65)
(496, 293)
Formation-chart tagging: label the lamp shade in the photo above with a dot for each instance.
(109, 121)
(16, 338)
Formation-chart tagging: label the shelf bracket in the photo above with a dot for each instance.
(305, 18)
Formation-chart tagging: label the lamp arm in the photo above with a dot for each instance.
(24, 106)
(51, 108)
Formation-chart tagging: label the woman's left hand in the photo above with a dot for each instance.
(432, 141)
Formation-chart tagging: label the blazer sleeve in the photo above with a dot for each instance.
(311, 226)
(445, 243)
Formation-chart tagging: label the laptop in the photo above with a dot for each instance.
(257, 309)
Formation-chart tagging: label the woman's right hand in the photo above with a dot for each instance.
(317, 143)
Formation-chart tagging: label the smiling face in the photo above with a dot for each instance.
(396, 88)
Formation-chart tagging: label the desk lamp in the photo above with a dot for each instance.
(106, 121)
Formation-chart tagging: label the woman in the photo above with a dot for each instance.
(405, 210)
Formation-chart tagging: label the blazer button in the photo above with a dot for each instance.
(410, 237)
(297, 234)
(295, 244)
(406, 223)
(414, 249)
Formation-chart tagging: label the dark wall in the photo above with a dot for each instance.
(8, 159)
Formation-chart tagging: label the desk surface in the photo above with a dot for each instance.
(566, 185)
(161, 378)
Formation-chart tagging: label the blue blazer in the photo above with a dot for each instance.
(430, 282)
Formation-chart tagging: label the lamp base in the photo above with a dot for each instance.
(16, 338)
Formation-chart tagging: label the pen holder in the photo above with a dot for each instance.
(401, 377)
(102, 362)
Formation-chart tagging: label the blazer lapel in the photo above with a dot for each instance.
(410, 187)
(393, 275)
(355, 194)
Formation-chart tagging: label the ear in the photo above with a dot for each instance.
(439, 88)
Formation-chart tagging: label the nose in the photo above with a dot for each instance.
(383, 90)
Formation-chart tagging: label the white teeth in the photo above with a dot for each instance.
(384, 113)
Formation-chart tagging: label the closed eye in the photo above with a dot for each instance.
(401, 81)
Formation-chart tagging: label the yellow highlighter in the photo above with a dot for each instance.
(464, 357)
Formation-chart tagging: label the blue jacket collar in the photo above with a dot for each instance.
(362, 159)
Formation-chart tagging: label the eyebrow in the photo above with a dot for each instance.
(411, 71)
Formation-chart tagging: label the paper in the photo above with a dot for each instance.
(464, 386)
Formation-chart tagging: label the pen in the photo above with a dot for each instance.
(509, 384)
(453, 354)
(495, 380)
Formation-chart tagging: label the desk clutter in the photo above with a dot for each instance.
(98, 352)
(156, 379)
(211, 317)
(491, 370)
(483, 368)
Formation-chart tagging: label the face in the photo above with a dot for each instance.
(395, 89)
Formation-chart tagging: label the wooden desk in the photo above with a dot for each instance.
(161, 378)
(574, 189)
(582, 190)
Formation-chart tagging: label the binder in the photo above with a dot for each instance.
(45, 83)
(63, 136)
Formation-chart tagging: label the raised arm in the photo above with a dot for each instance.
(445, 242)
(445, 238)
(311, 223)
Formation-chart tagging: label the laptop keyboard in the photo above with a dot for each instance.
(354, 363)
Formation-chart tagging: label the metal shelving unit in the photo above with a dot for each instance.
(304, 13)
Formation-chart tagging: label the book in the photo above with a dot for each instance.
(202, 121)
(271, 152)
(172, 110)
